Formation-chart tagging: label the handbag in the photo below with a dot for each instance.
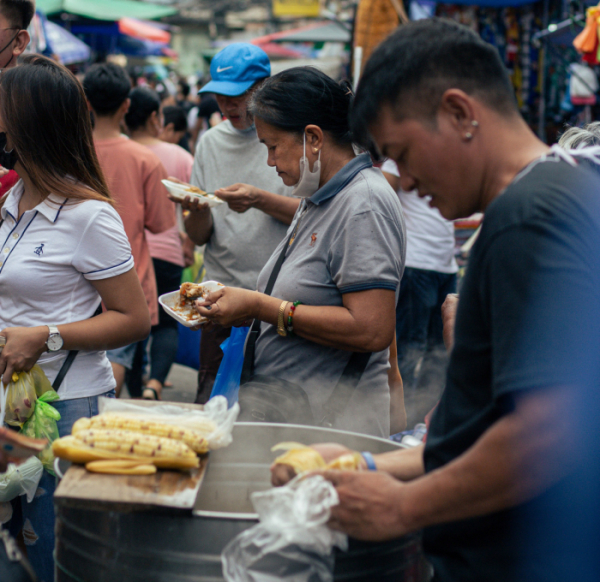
(270, 399)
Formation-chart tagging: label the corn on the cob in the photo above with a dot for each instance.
(98, 445)
(193, 438)
(303, 458)
(120, 467)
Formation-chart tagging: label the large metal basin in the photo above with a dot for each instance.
(100, 544)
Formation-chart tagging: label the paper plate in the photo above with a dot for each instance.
(180, 192)
(170, 300)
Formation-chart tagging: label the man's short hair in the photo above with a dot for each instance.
(175, 115)
(418, 63)
(106, 86)
(18, 12)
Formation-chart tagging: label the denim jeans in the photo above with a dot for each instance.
(37, 518)
(419, 319)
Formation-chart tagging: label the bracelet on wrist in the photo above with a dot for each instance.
(369, 460)
(290, 321)
(280, 321)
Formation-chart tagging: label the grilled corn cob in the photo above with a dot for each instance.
(193, 438)
(120, 467)
(99, 445)
(303, 458)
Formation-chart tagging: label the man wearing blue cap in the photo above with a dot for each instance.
(241, 235)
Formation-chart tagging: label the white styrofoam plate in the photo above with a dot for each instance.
(180, 192)
(170, 300)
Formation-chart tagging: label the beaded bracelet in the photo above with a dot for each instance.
(290, 323)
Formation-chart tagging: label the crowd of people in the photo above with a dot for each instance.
(335, 246)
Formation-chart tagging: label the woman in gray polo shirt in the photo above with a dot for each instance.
(344, 259)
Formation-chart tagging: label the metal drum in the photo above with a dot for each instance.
(103, 544)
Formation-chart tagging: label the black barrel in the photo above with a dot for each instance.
(98, 544)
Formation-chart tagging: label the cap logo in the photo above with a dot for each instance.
(221, 69)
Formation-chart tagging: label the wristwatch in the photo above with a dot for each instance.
(55, 341)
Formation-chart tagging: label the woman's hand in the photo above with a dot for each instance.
(239, 197)
(230, 306)
(24, 346)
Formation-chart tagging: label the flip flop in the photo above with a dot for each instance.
(155, 395)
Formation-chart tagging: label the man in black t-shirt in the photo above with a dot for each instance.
(504, 453)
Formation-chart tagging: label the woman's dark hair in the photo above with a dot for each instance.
(303, 96)
(144, 102)
(45, 116)
(175, 115)
(106, 86)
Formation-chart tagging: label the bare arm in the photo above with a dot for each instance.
(515, 460)
(199, 222)
(365, 323)
(241, 197)
(125, 321)
(397, 409)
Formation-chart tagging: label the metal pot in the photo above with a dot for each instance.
(100, 544)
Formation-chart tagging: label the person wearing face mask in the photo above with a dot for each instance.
(324, 312)
(230, 161)
(15, 17)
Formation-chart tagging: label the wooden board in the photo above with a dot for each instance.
(169, 489)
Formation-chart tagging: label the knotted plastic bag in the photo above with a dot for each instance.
(21, 479)
(42, 425)
(292, 542)
(22, 393)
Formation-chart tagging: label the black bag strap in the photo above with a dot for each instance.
(69, 360)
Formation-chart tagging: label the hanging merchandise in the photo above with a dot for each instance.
(586, 42)
(584, 85)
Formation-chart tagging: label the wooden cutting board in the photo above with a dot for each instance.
(172, 489)
(169, 489)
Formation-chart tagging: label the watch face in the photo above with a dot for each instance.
(55, 342)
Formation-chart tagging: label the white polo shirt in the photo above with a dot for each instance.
(47, 259)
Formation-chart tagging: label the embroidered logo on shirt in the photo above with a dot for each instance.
(313, 239)
(39, 250)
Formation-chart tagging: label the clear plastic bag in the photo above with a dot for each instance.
(292, 541)
(220, 418)
(21, 479)
(22, 393)
(42, 425)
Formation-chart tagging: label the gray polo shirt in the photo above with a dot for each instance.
(350, 238)
(240, 244)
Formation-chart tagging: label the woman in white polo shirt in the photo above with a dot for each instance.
(64, 251)
(335, 294)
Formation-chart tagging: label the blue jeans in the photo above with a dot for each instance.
(37, 517)
(419, 318)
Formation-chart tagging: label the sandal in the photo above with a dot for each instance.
(154, 396)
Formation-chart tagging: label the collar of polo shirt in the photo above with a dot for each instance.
(49, 208)
(341, 179)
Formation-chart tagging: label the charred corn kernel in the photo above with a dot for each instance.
(299, 456)
(193, 438)
(120, 467)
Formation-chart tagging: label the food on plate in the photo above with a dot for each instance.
(101, 445)
(193, 291)
(302, 458)
(188, 293)
(195, 190)
(120, 467)
(195, 438)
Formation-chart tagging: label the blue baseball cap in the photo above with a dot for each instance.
(236, 68)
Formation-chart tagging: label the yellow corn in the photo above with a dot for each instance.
(303, 458)
(193, 438)
(120, 467)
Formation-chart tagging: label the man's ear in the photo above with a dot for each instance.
(21, 43)
(170, 127)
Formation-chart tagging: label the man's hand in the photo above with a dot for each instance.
(239, 197)
(448, 318)
(370, 505)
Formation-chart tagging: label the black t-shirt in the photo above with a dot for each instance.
(528, 319)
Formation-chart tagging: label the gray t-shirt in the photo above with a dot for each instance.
(350, 238)
(240, 244)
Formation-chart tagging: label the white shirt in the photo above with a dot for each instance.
(47, 259)
(429, 237)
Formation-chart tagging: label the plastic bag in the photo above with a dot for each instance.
(292, 541)
(215, 410)
(227, 382)
(22, 393)
(21, 479)
(42, 425)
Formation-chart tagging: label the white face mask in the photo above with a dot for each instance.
(309, 181)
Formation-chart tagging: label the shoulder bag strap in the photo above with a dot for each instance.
(69, 360)
(248, 365)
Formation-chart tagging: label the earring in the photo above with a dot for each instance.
(468, 136)
(315, 150)
(475, 123)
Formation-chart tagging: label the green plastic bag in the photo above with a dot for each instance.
(42, 425)
(23, 391)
